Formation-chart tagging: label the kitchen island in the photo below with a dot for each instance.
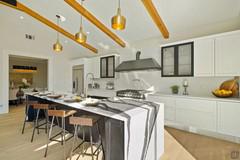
(132, 130)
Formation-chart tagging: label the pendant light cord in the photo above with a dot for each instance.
(81, 20)
(58, 25)
(119, 4)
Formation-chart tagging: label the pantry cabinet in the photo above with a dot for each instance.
(227, 55)
(204, 57)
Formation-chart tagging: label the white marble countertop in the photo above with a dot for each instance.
(130, 111)
(206, 97)
(101, 92)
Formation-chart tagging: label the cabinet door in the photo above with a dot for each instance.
(228, 55)
(95, 67)
(200, 114)
(169, 106)
(185, 55)
(228, 121)
(168, 61)
(204, 57)
(103, 67)
(111, 67)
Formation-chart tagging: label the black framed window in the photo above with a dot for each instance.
(177, 60)
(107, 67)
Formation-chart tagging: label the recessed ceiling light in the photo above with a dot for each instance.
(21, 17)
(88, 32)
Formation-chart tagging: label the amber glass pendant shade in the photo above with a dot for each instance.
(118, 21)
(81, 36)
(57, 47)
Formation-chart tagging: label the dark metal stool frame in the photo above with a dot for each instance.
(38, 126)
(28, 104)
(77, 128)
(62, 132)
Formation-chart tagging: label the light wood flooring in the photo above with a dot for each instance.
(15, 146)
(206, 148)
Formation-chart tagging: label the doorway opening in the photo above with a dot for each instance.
(26, 74)
(78, 79)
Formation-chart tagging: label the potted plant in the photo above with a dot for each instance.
(175, 89)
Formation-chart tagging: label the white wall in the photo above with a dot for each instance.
(151, 48)
(197, 85)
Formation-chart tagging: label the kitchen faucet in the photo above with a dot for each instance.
(86, 87)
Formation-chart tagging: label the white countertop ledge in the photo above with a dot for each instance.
(203, 97)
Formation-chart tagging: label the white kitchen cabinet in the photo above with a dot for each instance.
(94, 66)
(169, 106)
(228, 118)
(204, 57)
(227, 55)
(201, 114)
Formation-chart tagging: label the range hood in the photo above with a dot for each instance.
(138, 64)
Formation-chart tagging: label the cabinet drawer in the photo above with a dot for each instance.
(200, 114)
(196, 105)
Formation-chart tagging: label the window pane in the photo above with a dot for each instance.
(103, 67)
(168, 61)
(185, 59)
(110, 66)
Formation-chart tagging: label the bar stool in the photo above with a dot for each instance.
(63, 114)
(44, 108)
(28, 104)
(86, 122)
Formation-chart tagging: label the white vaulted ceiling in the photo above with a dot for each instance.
(179, 15)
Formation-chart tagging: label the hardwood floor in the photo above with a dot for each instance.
(206, 148)
(15, 146)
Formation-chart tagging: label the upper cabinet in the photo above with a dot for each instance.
(93, 66)
(204, 57)
(177, 60)
(227, 55)
(107, 67)
(216, 55)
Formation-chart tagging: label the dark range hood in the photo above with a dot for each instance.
(138, 64)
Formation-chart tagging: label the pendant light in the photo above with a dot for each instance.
(81, 36)
(118, 21)
(57, 47)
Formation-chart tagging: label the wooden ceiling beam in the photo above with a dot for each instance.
(156, 17)
(89, 16)
(47, 22)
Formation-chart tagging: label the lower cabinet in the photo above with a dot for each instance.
(229, 118)
(200, 114)
(169, 106)
(213, 115)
